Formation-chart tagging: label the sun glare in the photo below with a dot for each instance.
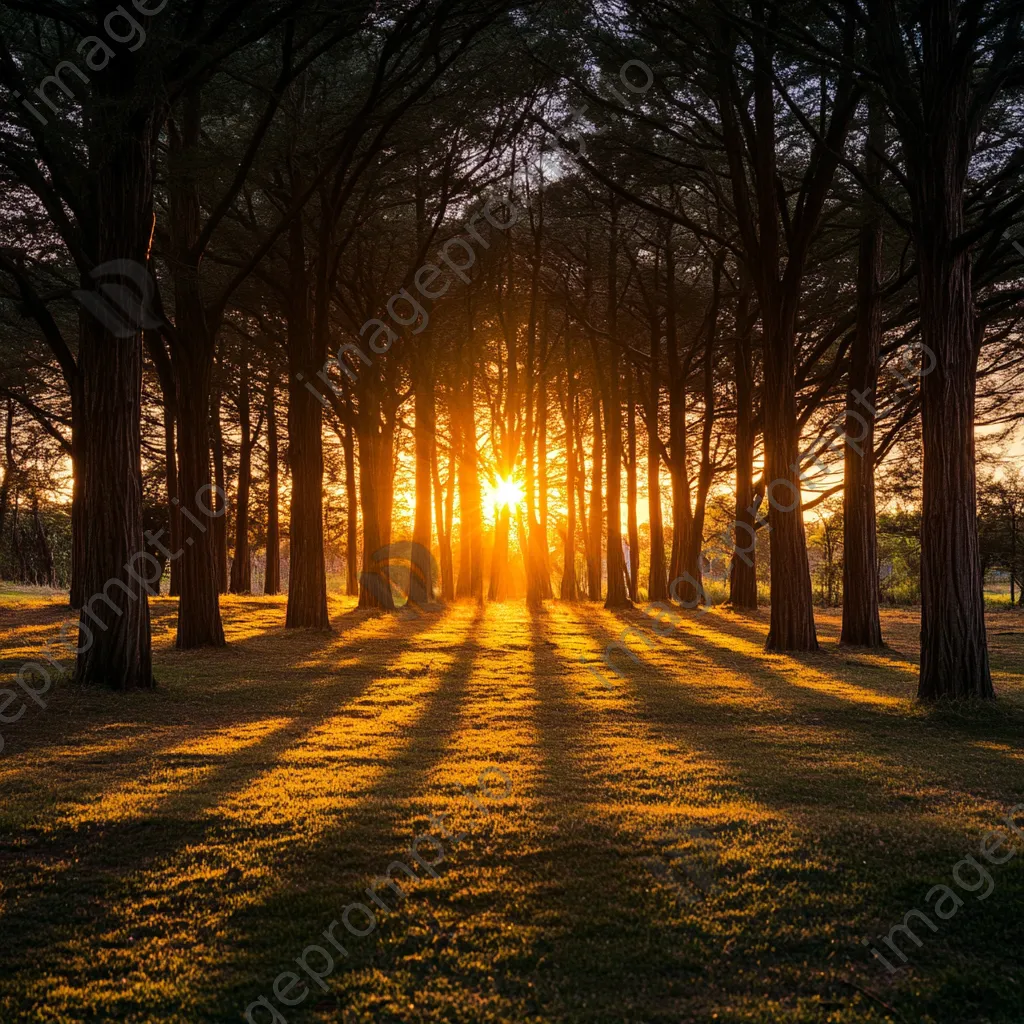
(505, 493)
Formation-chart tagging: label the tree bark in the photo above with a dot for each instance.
(203, 565)
(681, 513)
(307, 351)
(596, 523)
(497, 589)
(421, 584)
(657, 584)
(617, 595)
(743, 572)
(954, 649)
(938, 130)
(173, 498)
(861, 622)
(633, 569)
(272, 573)
(444, 504)
(114, 646)
(375, 578)
(694, 540)
(581, 488)
(45, 553)
(542, 459)
(5, 486)
(220, 525)
(352, 515)
(792, 609)
(569, 590)
(471, 559)
(241, 565)
(776, 244)
(77, 596)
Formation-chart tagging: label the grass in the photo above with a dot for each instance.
(706, 837)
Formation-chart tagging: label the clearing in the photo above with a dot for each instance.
(706, 836)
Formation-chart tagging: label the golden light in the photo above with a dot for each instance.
(505, 493)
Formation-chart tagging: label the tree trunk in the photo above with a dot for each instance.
(681, 512)
(444, 503)
(421, 584)
(542, 460)
(497, 589)
(954, 649)
(617, 594)
(861, 623)
(114, 646)
(596, 523)
(272, 574)
(241, 565)
(694, 540)
(352, 515)
(581, 488)
(163, 365)
(569, 590)
(45, 554)
(777, 271)
(77, 596)
(657, 585)
(743, 572)
(203, 566)
(375, 577)
(220, 525)
(792, 608)
(471, 560)
(633, 568)
(459, 440)
(475, 515)
(470, 582)
(173, 498)
(17, 553)
(5, 486)
(307, 583)
(199, 622)
(939, 135)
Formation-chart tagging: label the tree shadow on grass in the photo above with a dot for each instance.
(71, 906)
(906, 734)
(866, 837)
(208, 684)
(615, 944)
(753, 628)
(319, 879)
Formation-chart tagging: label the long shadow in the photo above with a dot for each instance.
(830, 655)
(868, 727)
(275, 650)
(753, 627)
(886, 880)
(88, 884)
(614, 934)
(314, 884)
(781, 772)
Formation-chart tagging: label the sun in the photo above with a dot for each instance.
(505, 493)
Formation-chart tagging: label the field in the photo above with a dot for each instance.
(706, 835)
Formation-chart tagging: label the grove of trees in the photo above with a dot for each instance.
(452, 299)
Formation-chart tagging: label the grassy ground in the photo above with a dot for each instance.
(705, 837)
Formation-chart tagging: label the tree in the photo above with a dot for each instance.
(939, 94)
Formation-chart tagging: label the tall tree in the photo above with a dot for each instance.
(861, 623)
(940, 88)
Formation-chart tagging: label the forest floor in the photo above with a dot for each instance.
(706, 836)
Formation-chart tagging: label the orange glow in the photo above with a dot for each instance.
(505, 493)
